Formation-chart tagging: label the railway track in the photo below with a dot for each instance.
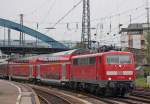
(51, 96)
(110, 100)
(43, 100)
(54, 95)
(91, 99)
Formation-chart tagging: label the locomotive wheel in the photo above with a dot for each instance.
(74, 86)
(97, 91)
(124, 93)
(71, 85)
(92, 89)
(114, 92)
(102, 92)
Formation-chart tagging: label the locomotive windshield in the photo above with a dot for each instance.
(118, 59)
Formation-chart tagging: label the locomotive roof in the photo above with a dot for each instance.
(103, 53)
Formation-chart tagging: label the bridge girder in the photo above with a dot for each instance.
(31, 32)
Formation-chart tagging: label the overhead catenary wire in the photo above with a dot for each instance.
(48, 12)
(66, 14)
(97, 19)
(37, 8)
(80, 22)
(119, 36)
(118, 14)
(127, 22)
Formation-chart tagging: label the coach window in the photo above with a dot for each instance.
(81, 61)
(86, 61)
(92, 60)
(75, 62)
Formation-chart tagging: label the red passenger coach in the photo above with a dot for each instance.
(55, 68)
(107, 73)
(23, 69)
(4, 69)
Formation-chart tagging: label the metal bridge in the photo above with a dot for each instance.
(54, 45)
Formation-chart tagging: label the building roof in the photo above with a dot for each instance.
(133, 27)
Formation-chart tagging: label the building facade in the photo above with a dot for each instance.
(133, 38)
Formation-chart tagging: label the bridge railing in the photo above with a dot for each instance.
(25, 44)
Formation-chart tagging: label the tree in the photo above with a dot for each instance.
(148, 47)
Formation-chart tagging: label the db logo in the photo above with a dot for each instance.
(120, 73)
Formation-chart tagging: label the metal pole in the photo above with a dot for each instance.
(21, 33)
(148, 33)
(86, 32)
(4, 35)
(9, 38)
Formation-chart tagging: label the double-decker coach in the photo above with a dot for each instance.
(23, 69)
(55, 68)
(104, 73)
(4, 69)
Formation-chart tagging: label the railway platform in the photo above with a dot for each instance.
(15, 93)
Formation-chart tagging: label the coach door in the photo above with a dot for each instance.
(38, 71)
(63, 72)
(30, 71)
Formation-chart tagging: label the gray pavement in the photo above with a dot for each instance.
(8, 93)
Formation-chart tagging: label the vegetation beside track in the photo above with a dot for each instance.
(141, 82)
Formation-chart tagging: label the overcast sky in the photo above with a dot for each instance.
(47, 12)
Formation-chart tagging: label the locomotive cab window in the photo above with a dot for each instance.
(118, 59)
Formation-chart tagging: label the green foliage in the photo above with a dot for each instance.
(125, 49)
(141, 82)
(148, 37)
(146, 71)
(148, 47)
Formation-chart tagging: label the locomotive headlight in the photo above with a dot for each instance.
(130, 78)
(109, 78)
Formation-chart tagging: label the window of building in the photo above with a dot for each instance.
(131, 42)
(135, 32)
(142, 42)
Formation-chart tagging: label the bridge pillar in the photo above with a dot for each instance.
(9, 37)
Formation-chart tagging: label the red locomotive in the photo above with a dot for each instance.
(107, 73)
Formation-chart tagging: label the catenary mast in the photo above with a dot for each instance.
(86, 33)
